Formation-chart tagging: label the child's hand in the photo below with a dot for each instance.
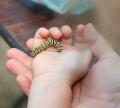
(57, 71)
(72, 63)
(76, 60)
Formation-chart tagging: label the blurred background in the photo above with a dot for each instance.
(19, 19)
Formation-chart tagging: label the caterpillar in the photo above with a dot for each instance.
(43, 46)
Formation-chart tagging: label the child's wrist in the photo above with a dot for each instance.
(49, 85)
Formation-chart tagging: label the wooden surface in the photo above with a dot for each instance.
(22, 22)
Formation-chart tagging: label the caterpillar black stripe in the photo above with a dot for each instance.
(43, 46)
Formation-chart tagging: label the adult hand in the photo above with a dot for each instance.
(100, 88)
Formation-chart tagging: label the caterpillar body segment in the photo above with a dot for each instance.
(43, 46)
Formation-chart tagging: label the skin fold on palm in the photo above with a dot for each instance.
(100, 87)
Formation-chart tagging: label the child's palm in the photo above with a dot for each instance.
(70, 63)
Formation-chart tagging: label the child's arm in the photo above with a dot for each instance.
(55, 72)
(50, 91)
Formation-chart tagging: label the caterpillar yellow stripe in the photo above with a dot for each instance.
(43, 46)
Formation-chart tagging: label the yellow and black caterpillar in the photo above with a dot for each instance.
(43, 46)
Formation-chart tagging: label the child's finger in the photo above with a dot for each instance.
(39, 37)
(18, 55)
(67, 34)
(42, 33)
(67, 31)
(80, 29)
(18, 68)
(24, 83)
(55, 32)
(37, 41)
(30, 43)
(79, 33)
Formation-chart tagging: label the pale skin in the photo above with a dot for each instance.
(99, 88)
(54, 73)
